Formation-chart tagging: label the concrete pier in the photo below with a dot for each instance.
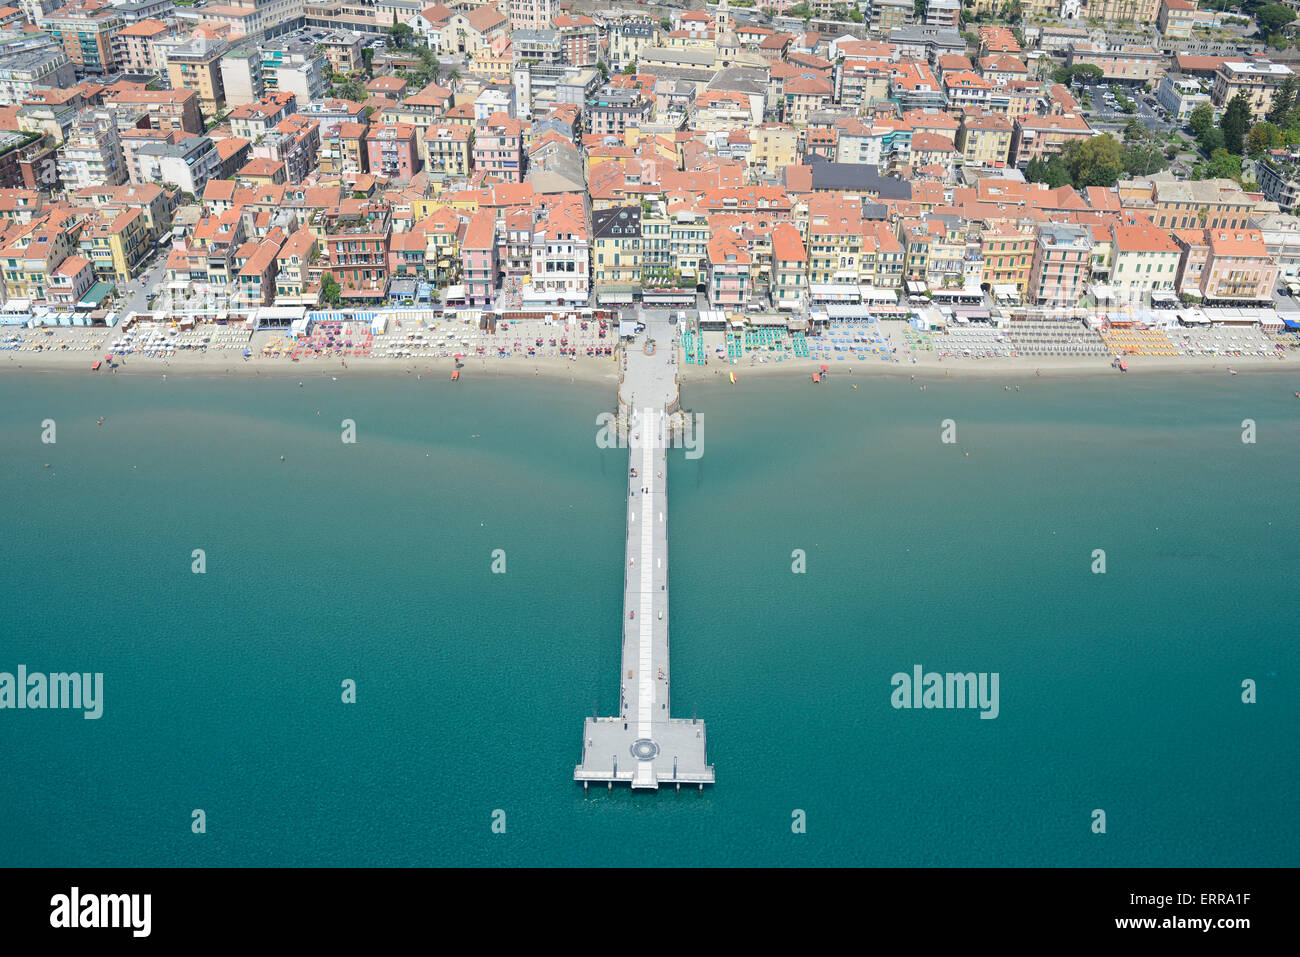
(643, 745)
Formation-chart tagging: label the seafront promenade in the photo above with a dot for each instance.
(642, 744)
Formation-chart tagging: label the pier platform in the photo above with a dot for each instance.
(643, 745)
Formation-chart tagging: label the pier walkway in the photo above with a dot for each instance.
(643, 745)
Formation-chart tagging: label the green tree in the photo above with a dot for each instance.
(1211, 141)
(401, 35)
(1142, 159)
(1272, 17)
(1087, 73)
(1223, 165)
(1236, 121)
(1093, 162)
(630, 69)
(330, 293)
(1283, 101)
(1263, 136)
(351, 89)
(1201, 120)
(1053, 172)
(604, 70)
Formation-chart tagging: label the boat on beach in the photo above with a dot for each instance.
(455, 375)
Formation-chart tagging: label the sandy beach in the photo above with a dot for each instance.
(504, 353)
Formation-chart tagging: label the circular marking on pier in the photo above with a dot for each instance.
(643, 749)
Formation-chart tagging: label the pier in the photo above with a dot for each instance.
(642, 744)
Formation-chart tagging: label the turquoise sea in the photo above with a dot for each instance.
(372, 561)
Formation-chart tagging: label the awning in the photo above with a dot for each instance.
(624, 297)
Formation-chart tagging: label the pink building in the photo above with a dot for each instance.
(393, 150)
(499, 148)
(1062, 264)
(70, 280)
(729, 270)
(1238, 269)
(478, 254)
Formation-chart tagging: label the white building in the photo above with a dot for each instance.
(92, 154)
(241, 77)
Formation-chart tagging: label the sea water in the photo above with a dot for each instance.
(373, 562)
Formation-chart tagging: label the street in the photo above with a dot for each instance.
(135, 294)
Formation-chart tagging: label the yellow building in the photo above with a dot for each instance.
(616, 251)
(447, 149)
(1008, 253)
(984, 139)
(115, 243)
(196, 65)
(292, 279)
(834, 245)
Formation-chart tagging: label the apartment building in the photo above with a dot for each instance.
(1040, 137)
(356, 238)
(242, 79)
(166, 109)
(498, 148)
(789, 268)
(561, 252)
(1256, 81)
(616, 252)
(1119, 64)
(1238, 270)
(1176, 19)
(87, 29)
(294, 141)
(392, 150)
(729, 271)
(984, 139)
(1061, 266)
(1144, 259)
(479, 258)
(448, 150)
(196, 65)
(92, 155)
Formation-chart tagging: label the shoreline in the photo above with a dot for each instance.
(225, 360)
(605, 370)
(236, 367)
(1043, 368)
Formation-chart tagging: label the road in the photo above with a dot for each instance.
(135, 294)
